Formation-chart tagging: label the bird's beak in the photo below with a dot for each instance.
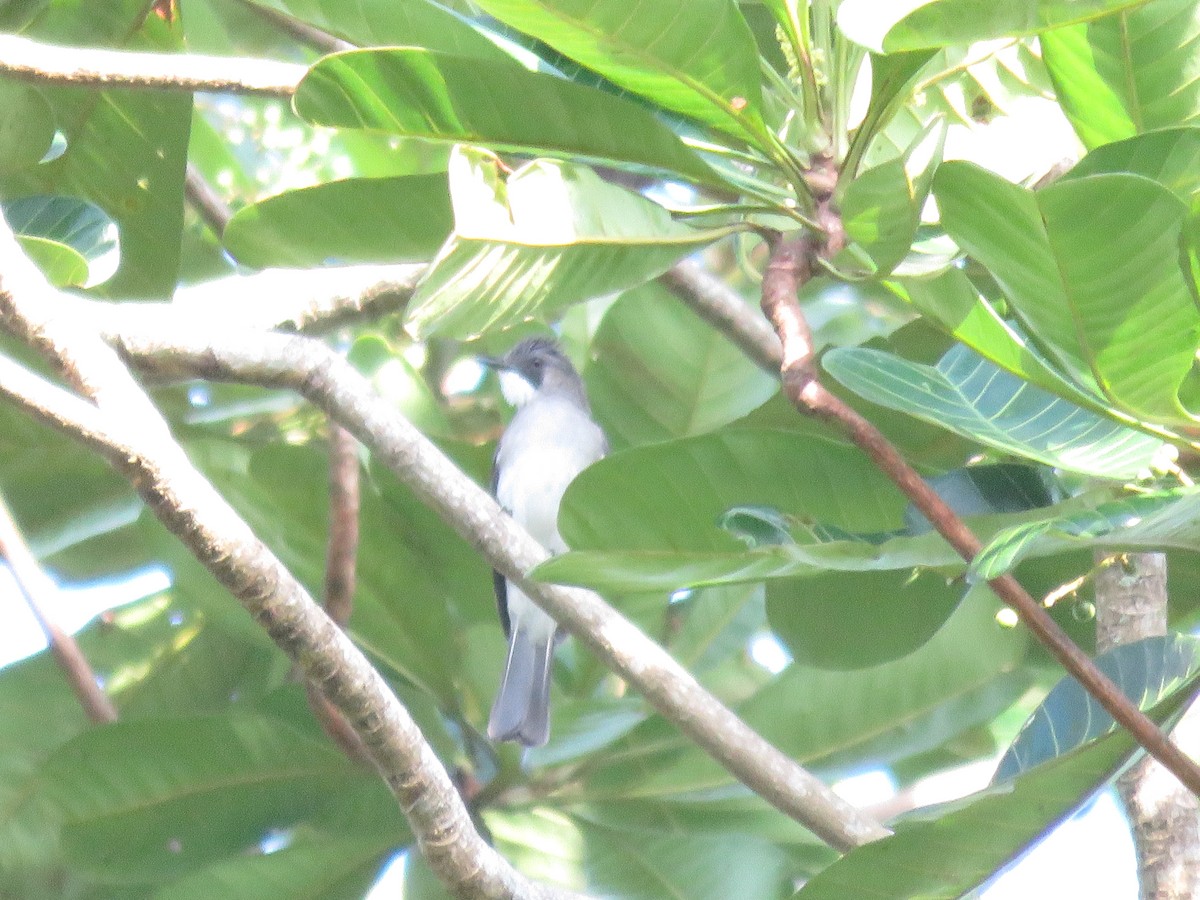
(493, 362)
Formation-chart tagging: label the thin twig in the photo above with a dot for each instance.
(40, 593)
(342, 551)
(303, 32)
(329, 382)
(34, 61)
(123, 425)
(791, 264)
(722, 307)
(341, 556)
(207, 203)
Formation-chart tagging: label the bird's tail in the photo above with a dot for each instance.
(522, 708)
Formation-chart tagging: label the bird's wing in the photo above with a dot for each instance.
(499, 582)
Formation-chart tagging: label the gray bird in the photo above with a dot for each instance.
(549, 441)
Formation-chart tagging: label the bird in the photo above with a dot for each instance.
(550, 439)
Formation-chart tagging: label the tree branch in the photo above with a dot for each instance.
(791, 264)
(309, 300)
(314, 37)
(329, 382)
(41, 63)
(207, 203)
(127, 429)
(39, 593)
(340, 561)
(723, 308)
(1131, 604)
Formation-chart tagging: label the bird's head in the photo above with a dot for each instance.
(533, 366)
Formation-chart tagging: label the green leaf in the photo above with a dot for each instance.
(835, 721)
(362, 219)
(126, 150)
(979, 401)
(892, 78)
(643, 865)
(62, 265)
(1139, 521)
(412, 23)
(882, 206)
(26, 126)
(852, 620)
(326, 867)
(948, 850)
(156, 797)
(956, 305)
(553, 234)
(1146, 671)
(1127, 73)
(1091, 265)
(657, 371)
(696, 57)
(954, 847)
(886, 26)
(68, 230)
(1170, 156)
(670, 496)
(421, 93)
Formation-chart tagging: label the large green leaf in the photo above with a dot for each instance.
(1127, 73)
(837, 720)
(160, 796)
(696, 57)
(552, 234)
(411, 23)
(969, 395)
(643, 865)
(1170, 156)
(322, 868)
(955, 847)
(1092, 266)
(1169, 518)
(657, 371)
(672, 495)
(72, 226)
(881, 207)
(952, 301)
(360, 219)
(126, 150)
(1146, 671)
(945, 851)
(421, 93)
(886, 26)
(26, 126)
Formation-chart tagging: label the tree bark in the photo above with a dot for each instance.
(1131, 604)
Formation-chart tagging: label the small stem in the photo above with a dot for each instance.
(207, 203)
(39, 593)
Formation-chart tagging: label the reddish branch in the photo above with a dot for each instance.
(39, 593)
(791, 264)
(341, 557)
(207, 203)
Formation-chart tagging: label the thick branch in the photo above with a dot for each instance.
(328, 381)
(723, 308)
(791, 264)
(41, 63)
(39, 593)
(1131, 604)
(313, 300)
(128, 430)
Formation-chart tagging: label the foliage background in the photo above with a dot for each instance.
(1056, 358)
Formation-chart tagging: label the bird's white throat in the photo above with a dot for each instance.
(515, 388)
